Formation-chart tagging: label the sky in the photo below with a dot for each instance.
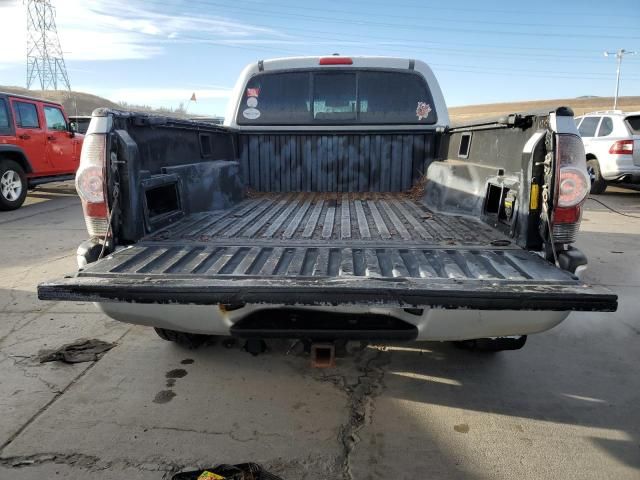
(159, 52)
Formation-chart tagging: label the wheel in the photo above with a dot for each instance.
(188, 340)
(497, 344)
(13, 185)
(598, 184)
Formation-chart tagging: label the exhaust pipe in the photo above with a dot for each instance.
(323, 355)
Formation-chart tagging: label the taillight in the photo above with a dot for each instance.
(567, 215)
(336, 61)
(573, 185)
(573, 179)
(90, 184)
(566, 223)
(622, 147)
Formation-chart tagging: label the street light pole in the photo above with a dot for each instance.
(619, 54)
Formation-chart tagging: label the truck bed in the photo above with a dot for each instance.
(330, 248)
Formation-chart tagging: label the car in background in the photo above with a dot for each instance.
(80, 123)
(612, 143)
(37, 145)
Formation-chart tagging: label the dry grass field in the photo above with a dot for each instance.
(579, 106)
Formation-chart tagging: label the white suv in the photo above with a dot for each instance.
(612, 144)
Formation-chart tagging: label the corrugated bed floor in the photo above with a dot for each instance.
(340, 219)
(326, 235)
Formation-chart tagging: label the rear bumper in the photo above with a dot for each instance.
(620, 167)
(431, 324)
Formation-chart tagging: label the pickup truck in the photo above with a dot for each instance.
(335, 203)
(37, 145)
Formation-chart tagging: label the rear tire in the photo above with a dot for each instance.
(187, 340)
(491, 345)
(598, 184)
(13, 185)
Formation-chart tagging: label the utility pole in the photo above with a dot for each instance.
(45, 61)
(619, 54)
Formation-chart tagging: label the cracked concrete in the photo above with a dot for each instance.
(241, 416)
(566, 406)
(361, 385)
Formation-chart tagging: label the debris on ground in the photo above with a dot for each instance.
(242, 471)
(77, 352)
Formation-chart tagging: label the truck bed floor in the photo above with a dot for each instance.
(327, 235)
(341, 219)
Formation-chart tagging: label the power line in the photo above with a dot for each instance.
(436, 66)
(252, 11)
(424, 47)
(528, 12)
(428, 15)
(545, 73)
(588, 53)
(401, 50)
(400, 43)
(415, 45)
(447, 66)
(333, 20)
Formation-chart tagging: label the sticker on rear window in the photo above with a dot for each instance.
(423, 109)
(252, 102)
(251, 113)
(253, 92)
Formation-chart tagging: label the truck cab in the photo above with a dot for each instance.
(37, 145)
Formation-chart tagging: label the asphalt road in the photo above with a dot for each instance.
(567, 406)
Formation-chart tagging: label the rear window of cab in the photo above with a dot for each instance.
(336, 97)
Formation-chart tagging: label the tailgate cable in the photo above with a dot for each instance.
(115, 195)
(547, 220)
(548, 163)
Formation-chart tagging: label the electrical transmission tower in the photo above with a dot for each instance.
(45, 62)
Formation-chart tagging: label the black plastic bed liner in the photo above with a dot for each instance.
(342, 218)
(328, 249)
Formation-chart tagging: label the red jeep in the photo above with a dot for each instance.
(37, 145)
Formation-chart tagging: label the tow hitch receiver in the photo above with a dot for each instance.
(323, 355)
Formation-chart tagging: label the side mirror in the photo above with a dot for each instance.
(73, 128)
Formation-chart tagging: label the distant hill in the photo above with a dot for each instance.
(85, 103)
(579, 105)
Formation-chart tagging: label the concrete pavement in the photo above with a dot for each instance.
(566, 406)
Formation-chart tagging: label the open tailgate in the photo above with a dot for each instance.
(458, 277)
